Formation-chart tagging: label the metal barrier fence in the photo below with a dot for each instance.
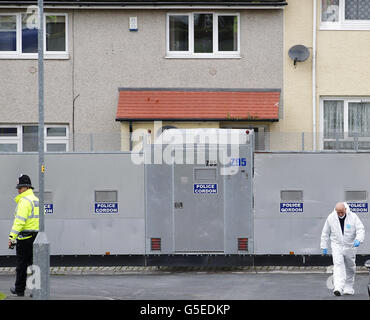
(264, 141)
(117, 141)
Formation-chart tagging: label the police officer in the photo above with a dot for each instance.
(24, 231)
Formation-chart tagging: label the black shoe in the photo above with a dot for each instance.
(337, 293)
(19, 294)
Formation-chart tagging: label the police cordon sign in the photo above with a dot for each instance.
(205, 188)
(49, 208)
(105, 207)
(291, 207)
(358, 207)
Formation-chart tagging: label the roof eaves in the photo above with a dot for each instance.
(139, 3)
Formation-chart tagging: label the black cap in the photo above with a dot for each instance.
(24, 181)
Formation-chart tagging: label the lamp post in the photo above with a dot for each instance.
(41, 247)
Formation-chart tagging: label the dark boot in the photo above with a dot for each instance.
(19, 294)
(337, 293)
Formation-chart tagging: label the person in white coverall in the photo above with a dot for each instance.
(346, 232)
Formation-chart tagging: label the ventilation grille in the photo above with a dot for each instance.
(243, 244)
(291, 196)
(106, 196)
(356, 195)
(155, 244)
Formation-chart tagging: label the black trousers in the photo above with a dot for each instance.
(24, 250)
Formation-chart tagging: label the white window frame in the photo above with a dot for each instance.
(342, 23)
(12, 140)
(190, 53)
(18, 54)
(16, 34)
(346, 101)
(47, 140)
(56, 140)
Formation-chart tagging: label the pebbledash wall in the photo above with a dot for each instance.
(81, 88)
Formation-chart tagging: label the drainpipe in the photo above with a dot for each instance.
(130, 135)
(314, 73)
(73, 119)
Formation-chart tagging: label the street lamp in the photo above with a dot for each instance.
(41, 247)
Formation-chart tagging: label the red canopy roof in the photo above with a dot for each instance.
(196, 104)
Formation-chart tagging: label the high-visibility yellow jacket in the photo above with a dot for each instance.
(26, 216)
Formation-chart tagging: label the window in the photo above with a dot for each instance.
(55, 33)
(56, 138)
(357, 10)
(207, 35)
(227, 33)
(19, 36)
(345, 14)
(330, 11)
(8, 131)
(203, 33)
(8, 33)
(24, 138)
(346, 124)
(29, 35)
(30, 138)
(9, 139)
(179, 33)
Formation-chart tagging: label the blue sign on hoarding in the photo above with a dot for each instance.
(291, 207)
(358, 207)
(48, 208)
(205, 188)
(105, 207)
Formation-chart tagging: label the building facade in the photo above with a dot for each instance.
(328, 95)
(160, 56)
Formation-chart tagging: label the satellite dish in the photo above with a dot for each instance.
(299, 53)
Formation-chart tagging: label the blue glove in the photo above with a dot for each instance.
(356, 243)
(324, 251)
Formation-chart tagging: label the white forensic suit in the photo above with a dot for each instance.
(343, 251)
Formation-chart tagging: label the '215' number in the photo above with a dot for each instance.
(238, 162)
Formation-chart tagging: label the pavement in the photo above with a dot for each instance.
(161, 283)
